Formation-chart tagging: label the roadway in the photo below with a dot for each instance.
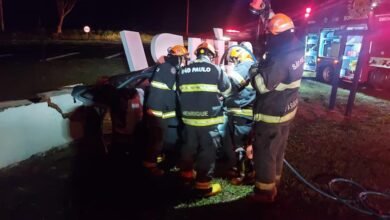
(30, 68)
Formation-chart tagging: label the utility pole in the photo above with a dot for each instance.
(260, 37)
(1, 17)
(187, 16)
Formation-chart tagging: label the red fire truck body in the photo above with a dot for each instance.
(343, 46)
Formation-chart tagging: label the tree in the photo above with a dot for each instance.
(2, 28)
(64, 7)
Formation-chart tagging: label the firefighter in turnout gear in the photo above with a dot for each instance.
(160, 106)
(277, 81)
(239, 113)
(202, 86)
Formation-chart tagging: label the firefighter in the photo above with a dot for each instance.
(119, 112)
(239, 113)
(124, 114)
(160, 117)
(276, 81)
(202, 86)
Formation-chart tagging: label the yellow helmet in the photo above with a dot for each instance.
(206, 49)
(178, 50)
(239, 54)
(280, 23)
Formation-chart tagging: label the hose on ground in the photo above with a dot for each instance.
(359, 204)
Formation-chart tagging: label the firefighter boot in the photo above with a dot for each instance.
(239, 176)
(187, 177)
(245, 174)
(234, 176)
(152, 169)
(239, 180)
(207, 189)
(246, 179)
(249, 173)
(249, 178)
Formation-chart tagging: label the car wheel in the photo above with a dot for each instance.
(327, 74)
(377, 79)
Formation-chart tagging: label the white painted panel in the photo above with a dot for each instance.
(220, 48)
(35, 128)
(134, 50)
(14, 103)
(193, 43)
(218, 33)
(65, 102)
(161, 43)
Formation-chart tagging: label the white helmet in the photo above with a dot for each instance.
(248, 45)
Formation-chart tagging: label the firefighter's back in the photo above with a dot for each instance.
(200, 92)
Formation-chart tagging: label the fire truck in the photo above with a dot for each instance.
(345, 42)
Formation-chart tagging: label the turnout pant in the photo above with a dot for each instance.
(162, 136)
(199, 151)
(270, 142)
(237, 134)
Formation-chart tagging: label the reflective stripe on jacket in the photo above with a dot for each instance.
(201, 85)
(204, 121)
(274, 119)
(161, 100)
(240, 112)
(278, 83)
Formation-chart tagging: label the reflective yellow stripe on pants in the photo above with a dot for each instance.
(265, 186)
(204, 185)
(162, 115)
(275, 119)
(203, 122)
(240, 112)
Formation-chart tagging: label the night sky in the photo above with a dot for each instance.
(145, 15)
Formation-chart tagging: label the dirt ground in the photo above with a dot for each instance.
(79, 181)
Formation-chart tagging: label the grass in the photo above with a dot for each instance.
(230, 193)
